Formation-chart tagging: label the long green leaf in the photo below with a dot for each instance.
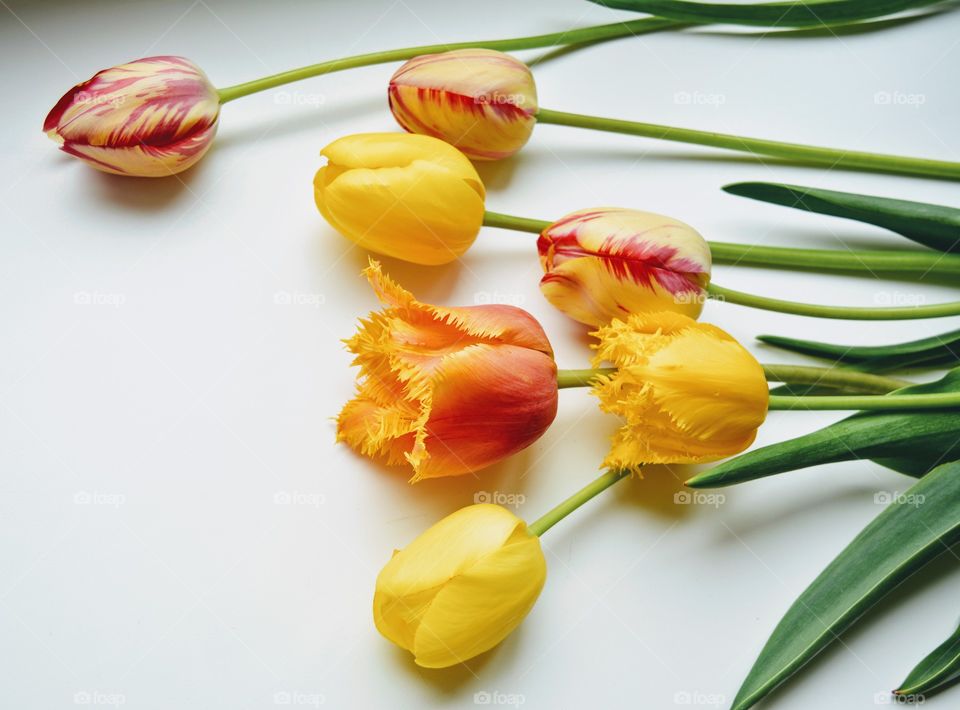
(935, 226)
(908, 442)
(770, 14)
(943, 349)
(915, 528)
(935, 672)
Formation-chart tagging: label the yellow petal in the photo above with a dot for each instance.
(410, 197)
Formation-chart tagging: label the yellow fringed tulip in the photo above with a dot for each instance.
(688, 392)
(407, 196)
(461, 587)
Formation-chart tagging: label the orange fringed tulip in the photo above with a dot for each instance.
(482, 101)
(460, 587)
(606, 263)
(447, 390)
(152, 117)
(687, 391)
(411, 197)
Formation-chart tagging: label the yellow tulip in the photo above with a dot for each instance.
(688, 392)
(407, 196)
(461, 587)
(482, 101)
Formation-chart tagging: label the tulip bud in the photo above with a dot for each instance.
(152, 117)
(411, 197)
(687, 391)
(447, 390)
(461, 587)
(601, 264)
(482, 101)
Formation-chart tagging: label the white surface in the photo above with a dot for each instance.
(185, 410)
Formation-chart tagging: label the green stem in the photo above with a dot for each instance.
(581, 35)
(833, 377)
(788, 374)
(936, 310)
(888, 402)
(831, 157)
(875, 262)
(554, 516)
(519, 224)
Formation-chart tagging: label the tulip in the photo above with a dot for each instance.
(485, 100)
(419, 200)
(602, 264)
(687, 391)
(152, 117)
(485, 103)
(461, 587)
(447, 391)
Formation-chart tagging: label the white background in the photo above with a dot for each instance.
(144, 555)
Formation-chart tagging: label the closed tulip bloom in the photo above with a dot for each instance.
(461, 587)
(601, 264)
(407, 196)
(482, 101)
(152, 117)
(687, 391)
(447, 391)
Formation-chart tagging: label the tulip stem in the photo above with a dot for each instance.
(833, 377)
(888, 402)
(519, 224)
(935, 310)
(831, 157)
(552, 517)
(582, 35)
(916, 264)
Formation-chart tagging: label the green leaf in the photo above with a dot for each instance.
(935, 672)
(909, 442)
(770, 14)
(915, 528)
(935, 226)
(937, 350)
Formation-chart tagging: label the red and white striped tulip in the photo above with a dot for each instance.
(606, 263)
(152, 117)
(482, 101)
